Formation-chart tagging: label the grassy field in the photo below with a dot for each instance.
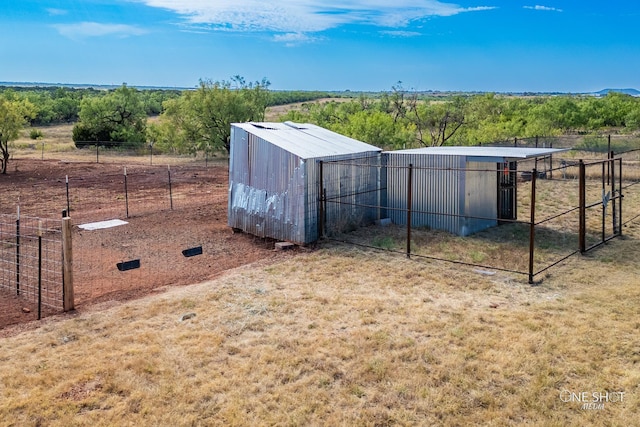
(339, 335)
(342, 336)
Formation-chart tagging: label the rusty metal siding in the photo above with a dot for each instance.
(266, 189)
(273, 192)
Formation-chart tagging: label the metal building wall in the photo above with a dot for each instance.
(481, 204)
(437, 201)
(447, 192)
(266, 189)
(274, 193)
(352, 190)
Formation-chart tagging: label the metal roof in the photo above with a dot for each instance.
(306, 140)
(478, 152)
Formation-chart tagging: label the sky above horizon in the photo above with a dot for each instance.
(357, 45)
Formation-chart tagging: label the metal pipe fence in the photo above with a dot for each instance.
(557, 215)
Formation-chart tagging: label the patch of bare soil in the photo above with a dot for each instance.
(156, 235)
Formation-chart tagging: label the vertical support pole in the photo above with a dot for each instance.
(621, 196)
(582, 231)
(170, 189)
(67, 185)
(609, 156)
(39, 269)
(536, 141)
(499, 190)
(515, 142)
(97, 152)
(514, 180)
(551, 162)
(612, 164)
(409, 206)
(604, 207)
(320, 201)
(18, 252)
(126, 192)
(67, 265)
(532, 224)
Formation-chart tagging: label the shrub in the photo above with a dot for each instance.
(36, 134)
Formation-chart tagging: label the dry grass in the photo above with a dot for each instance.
(58, 145)
(342, 336)
(345, 336)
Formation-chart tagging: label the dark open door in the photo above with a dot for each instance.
(507, 191)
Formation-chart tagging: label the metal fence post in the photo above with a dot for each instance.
(18, 252)
(170, 189)
(621, 196)
(39, 269)
(67, 265)
(582, 231)
(532, 224)
(320, 201)
(126, 192)
(409, 205)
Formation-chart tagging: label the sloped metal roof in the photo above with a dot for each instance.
(306, 140)
(479, 152)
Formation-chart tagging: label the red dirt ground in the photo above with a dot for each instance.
(155, 234)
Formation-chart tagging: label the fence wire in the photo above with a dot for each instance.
(522, 243)
(30, 268)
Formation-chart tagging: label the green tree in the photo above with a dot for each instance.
(437, 122)
(14, 115)
(377, 128)
(203, 117)
(118, 116)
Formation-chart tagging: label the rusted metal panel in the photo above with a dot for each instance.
(274, 186)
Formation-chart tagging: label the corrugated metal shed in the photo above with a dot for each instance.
(274, 177)
(455, 189)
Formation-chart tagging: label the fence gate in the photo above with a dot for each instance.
(600, 205)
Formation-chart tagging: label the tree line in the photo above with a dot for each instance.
(198, 120)
(402, 119)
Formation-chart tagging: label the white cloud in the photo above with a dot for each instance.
(294, 39)
(400, 33)
(306, 16)
(95, 29)
(545, 8)
(56, 12)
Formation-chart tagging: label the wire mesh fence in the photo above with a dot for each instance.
(167, 209)
(31, 268)
(93, 192)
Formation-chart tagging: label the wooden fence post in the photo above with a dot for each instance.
(67, 265)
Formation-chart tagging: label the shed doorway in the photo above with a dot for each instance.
(507, 191)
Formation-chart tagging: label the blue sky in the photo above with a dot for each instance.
(359, 45)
